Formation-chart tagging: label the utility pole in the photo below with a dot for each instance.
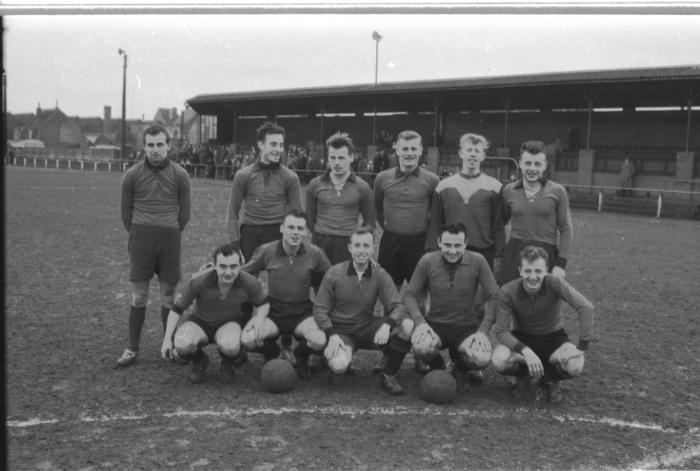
(123, 150)
(377, 37)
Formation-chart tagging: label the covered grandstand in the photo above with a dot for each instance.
(591, 120)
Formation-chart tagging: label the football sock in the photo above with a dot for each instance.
(286, 341)
(302, 351)
(394, 359)
(270, 349)
(137, 316)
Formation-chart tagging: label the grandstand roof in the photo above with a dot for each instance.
(663, 86)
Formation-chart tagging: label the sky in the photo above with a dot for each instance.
(73, 60)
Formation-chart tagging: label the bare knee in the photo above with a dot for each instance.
(502, 358)
(316, 339)
(309, 331)
(340, 362)
(404, 329)
(228, 339)
(139, 293)
(186, 340)
(568, 359)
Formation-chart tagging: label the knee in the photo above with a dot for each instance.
(184, 343)
(248, 340)
(424, 351)
(476, 359)
(500, 358)
(139, 298)
(340, 362)
(404, 329)
(568, 360)
(316, 339)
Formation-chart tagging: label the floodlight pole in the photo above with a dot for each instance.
(377, 37)
(123, 150)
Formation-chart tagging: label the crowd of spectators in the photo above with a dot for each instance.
(223, 161)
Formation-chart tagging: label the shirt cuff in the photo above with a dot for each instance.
(519, 347)
(391, 322)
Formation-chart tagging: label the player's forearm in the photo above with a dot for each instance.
(412, 308)
(173, 318)
(489, 317)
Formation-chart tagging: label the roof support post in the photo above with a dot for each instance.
(437, 101)
(590, 100)
(374, 125)
(320, 139)
(689, 99)
(506, 106)
(235, 126)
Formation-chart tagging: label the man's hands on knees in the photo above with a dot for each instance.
(382, 335)
(480, 342)
(257, 325)
(424, 334)
(334, 343)
(534, 364)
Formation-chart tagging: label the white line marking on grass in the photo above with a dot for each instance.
(30, 422)
(112, 418)
(671, 458)
(352, 412)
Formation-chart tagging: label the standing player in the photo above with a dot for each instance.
(538, 347)
(217, 317)
(293, 266)
(344, 307)
(473, 199)
(539, 214)
(402, 199)
(268, 189)
(452, 276)
(155, 208)
(336, 199)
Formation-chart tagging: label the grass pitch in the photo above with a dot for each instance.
(67, 297)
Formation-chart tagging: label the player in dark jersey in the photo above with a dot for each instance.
(155, 208)
(217, 316)
(539, 214)
(452, 277)
(344, 307)
(293, 267)
(537, 347)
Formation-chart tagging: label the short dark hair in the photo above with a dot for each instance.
(228, 249)
(362, 230)
(532, 253)
(340, 140)
(533, 147)
(297, 213)
(454, 228)
(154, 131)
(269, 127)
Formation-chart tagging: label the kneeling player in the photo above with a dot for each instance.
(293, 266)
(538, 348)
(344, 307)
(452, 277)
(217, 316)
